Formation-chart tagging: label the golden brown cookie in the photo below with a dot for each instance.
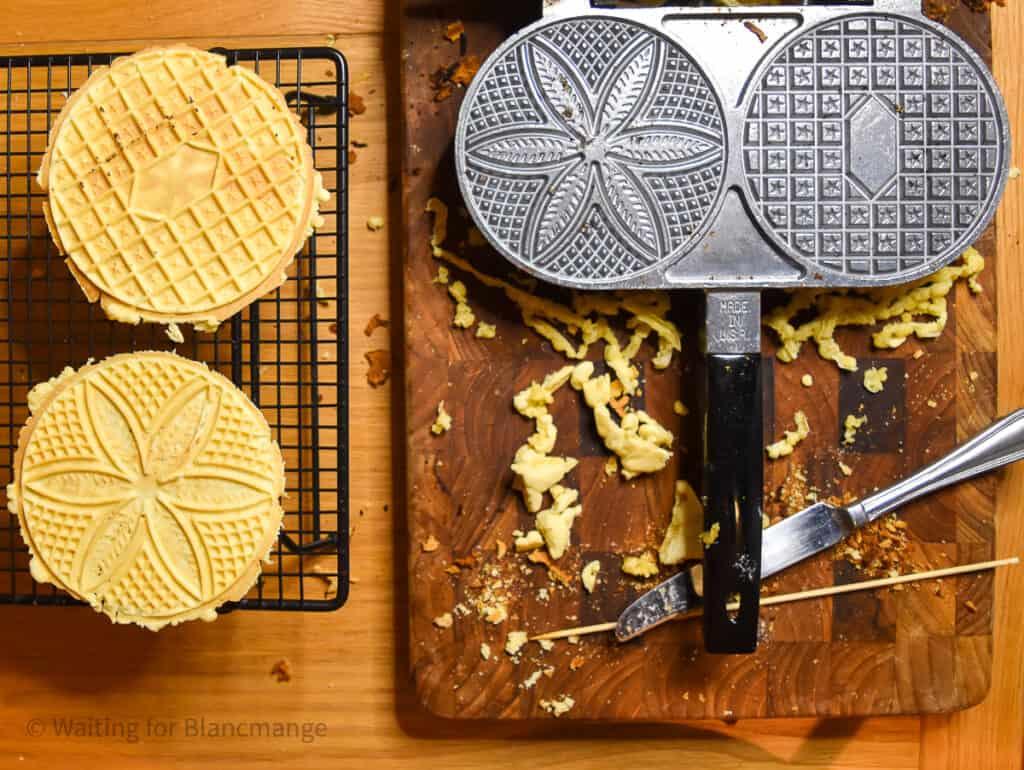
(179, 189)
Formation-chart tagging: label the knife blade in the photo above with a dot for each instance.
(823, 525)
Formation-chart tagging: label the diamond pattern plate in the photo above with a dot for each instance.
(873, 146)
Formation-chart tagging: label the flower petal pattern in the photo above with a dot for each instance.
(147, 529)
(613, 132)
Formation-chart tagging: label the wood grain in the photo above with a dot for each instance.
(888, 652)
(350, 667)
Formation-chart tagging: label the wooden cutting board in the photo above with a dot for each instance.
(920, 650)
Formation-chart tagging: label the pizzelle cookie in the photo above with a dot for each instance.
(148, 486)
(178, 188)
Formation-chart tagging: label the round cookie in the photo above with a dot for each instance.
(148, 486)
(178, 188)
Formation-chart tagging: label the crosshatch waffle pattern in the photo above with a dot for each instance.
(287, 351)
(243, 191)
(873, 183)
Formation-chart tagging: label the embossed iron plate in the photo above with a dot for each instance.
(591, 149)
(625, 150)
(873, 146)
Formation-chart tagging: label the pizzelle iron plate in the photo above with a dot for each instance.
(654, 148)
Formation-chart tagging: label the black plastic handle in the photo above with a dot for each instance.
(733, 481)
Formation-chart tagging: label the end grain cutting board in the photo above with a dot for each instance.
(920, 650)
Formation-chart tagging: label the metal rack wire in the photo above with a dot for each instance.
(287, 351)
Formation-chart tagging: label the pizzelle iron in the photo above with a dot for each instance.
(730, 150)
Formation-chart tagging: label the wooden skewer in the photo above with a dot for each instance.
(814, 593)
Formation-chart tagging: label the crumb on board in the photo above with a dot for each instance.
(788, 442)
(577, 663)
(680, 408)
(851, 425)
(330, 580)
(515, 641)
(875, 378)
(485, 651)
(486, 331)
(555, 523)
(531, 541)
(375, 224)
(546, 645)
(453, 31)
(495, 614)
(379, 371)
(282, 670)
(558, 706)
(807, 380)
(846, 469)
(442, 275)
(541, 557)
(918, 354)
(642, 566)
(973, 376)
(932, 403)
(444, 620)
(611, 465)
(430, 545)
(442, 422)
(531, 680)
(588, 575)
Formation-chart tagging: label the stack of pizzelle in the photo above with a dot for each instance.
(179, 189)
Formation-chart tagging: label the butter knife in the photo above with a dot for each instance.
(822, 525)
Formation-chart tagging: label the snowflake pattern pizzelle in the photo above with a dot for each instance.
(593, 149)
(148, 486)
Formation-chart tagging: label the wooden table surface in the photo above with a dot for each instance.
(349, 667)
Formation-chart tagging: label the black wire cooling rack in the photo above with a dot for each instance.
(287, 351)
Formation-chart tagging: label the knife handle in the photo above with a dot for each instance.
(733, 480)
(999, 444)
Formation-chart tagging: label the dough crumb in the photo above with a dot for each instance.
(642, 566)
(846, 469)
(443, 421)
(531, 541)
(710, 537)
(874, 379)
(680, 408)
(515, 641)
(485, 651)
(531, 680)
(785, 445)
(443, 621)
(558, 706)
(494, 614)
(589, 575)
(807, 380)
(932, 403)
(430, 545)
(442, 275)
(919, 309)
(681, 540)
(173, 332)
(555, 523)
(973, 376)
(486, 331)
(918, 354)
(547, 645)
(611, 466)
(373, 224)
(851, 425)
